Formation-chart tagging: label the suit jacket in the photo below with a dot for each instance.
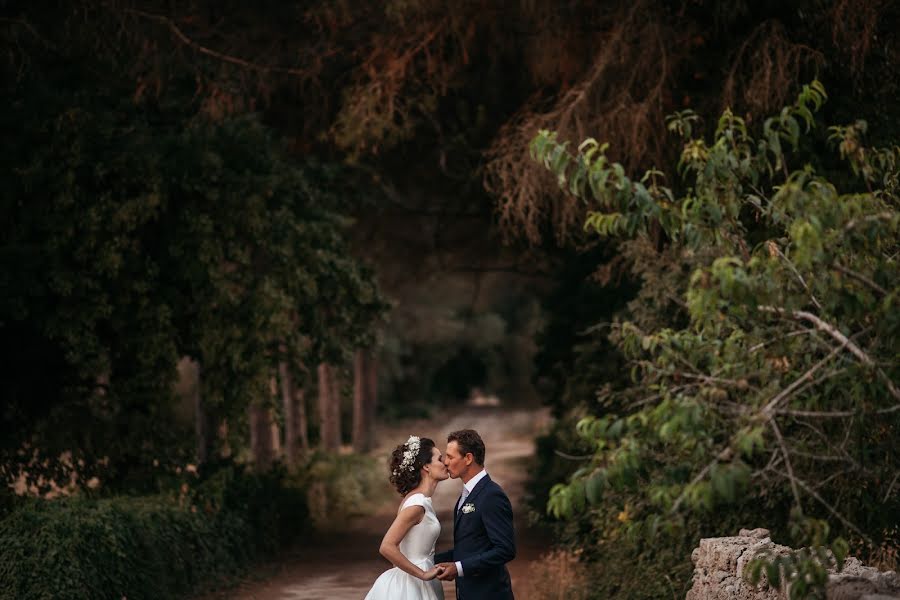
(483, 541)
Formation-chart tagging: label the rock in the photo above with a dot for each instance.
(758, 533)
(719, 565)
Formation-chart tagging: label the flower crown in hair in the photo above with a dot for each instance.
(409, 455)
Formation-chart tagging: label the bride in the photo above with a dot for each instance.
(416, 468)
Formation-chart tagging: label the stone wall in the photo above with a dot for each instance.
(719, 565)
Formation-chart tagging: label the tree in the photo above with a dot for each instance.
(365, 388)
(462, 88)
(136, 234)
(780, 385)
(329, 408)
(294, 411)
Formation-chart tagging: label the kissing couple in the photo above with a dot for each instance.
(483, 537)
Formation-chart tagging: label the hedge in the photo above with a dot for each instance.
(153, 547)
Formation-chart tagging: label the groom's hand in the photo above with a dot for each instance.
(449, 573)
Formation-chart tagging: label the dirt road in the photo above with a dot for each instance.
(343, 564)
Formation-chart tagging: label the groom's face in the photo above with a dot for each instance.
(457, 462)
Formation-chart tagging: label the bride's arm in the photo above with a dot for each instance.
(390, 545)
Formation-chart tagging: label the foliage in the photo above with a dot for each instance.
(803, 572)
(136, 233)
(778, 384)
(146, 547)
(458, 91)
(340, 486)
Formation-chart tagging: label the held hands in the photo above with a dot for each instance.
(448, 571)
(435, 571)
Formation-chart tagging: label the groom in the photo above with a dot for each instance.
(483, 537)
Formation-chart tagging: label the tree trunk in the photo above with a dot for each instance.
(363, 401)
(360, 395)
(262, 443)
(202, 421)
(372, 404)
(329, 409)
(289, 405)
(302, 419)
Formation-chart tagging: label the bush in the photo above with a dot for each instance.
(344, 485)
(772, 382)
(153, 547)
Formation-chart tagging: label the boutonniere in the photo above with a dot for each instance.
(468, 508)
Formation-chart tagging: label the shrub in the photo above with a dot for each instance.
(341, 486)
(152, 547)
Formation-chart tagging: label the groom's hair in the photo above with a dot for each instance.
(468, 440)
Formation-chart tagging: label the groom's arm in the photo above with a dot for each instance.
(442, 557)
(498, 524)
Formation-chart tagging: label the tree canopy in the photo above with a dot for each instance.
(136, 235)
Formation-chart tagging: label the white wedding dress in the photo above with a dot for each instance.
(418, 547)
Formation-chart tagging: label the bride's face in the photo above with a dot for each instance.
(436, 469)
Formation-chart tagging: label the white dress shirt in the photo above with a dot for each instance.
(468, 487)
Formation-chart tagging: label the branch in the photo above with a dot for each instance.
(890, 487)
(649, 399)
(724, 455)
(822, 457)
(34, 32)
(761, 345)
(209, 52)
(787, 463)
(786, 392)
(774, 247)
(739, 384)
(860, 277)
(822, 414)
(562, 454)
(830, 508)
(802, 315)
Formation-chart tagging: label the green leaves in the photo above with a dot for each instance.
(768, 368)
(803, 573)
(149, 547)
(131, 244)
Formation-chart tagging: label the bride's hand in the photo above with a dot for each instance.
(432, 573)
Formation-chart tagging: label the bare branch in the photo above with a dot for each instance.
(819, 414)
(807, 376)
(803, 315)
(649, 399)
(860, 277)
(761, 345)
(740, 384)
(209, 52)
(787, 462)
(820, 457)
(34, 32)
(830, 508)
(891, 487)
(797, 274)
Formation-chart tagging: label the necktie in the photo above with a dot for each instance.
(462, 499)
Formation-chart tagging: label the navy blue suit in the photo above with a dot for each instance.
(483, 541)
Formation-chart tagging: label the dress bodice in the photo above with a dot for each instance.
(418, 544)
(418, 547)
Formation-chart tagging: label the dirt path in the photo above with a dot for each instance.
(343, 564)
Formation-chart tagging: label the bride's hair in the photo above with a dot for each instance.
(406, 464)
